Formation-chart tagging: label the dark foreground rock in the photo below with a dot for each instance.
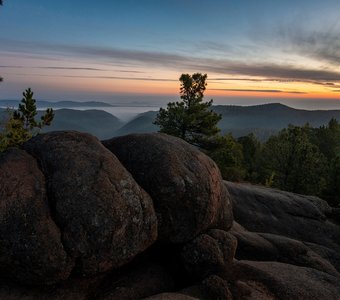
(74, 224)
(209, 253)
(303, 218)
(104, 216)
(285, 281)
(31, 250)
(185, 185)
(285, 227)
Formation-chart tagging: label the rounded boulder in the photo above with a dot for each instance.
(31, 250)
(185, 184)
(104, 216)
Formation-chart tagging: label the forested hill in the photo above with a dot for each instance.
(97, 122)
(273, 116)
(262, 120)
(57, 104)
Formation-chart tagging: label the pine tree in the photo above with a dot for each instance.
(190, 119)
(21, 124)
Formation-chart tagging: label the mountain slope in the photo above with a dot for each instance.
(57, 104)
(263, 120)
(97, 122)
(143, 123)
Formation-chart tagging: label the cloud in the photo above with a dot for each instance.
(101, 77)
(268, 71)
(69, 68)
(321, 44)
(259, 91)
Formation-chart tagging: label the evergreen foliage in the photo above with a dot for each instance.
(21, 124)
(190, 119)
(297, 163)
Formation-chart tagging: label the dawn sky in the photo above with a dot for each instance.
(132, 50)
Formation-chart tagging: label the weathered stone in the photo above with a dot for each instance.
(31, 250)
(209, 253)
(171, 296)
(213, 287)
(286, 281)
(104, 216)
(260, 209)
(137, 282)
(185, 185)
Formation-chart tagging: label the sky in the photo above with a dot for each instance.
(135, 51)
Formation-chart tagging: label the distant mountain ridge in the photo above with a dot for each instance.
(57, 104)
(97, 122)
(262, 120)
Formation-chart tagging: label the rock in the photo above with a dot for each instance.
(171, 296)
(71, 289)
(265, 210)
(271, 247)
(185, 185)
(104, 216)
(31, 250)
(252, 290)
(286, 281)
(213, 287)
(252, 246)
(297, 253)
(137, 282)
(328, 254)
(209, 253)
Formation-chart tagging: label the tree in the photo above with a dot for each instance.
(297, 164)
(228, 156)
(27, 112)
(190, 119)
(251, 149)
(21, 124)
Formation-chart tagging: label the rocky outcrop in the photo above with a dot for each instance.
(286, 281)
(31, 249)
(209, 253)
(185, 184)
(288, 245)
(75, 224)
(304, 218)
(105, 218)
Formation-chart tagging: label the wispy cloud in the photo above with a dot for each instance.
(268, 71)
(99, 77)
(322, 44)
(69, 68)
(259, 91)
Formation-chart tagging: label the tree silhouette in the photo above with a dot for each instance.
(190, 119)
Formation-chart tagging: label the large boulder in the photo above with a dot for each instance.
(104, 217)
(135, 282)
(271, 247)
(284, 281)
(212, 287)
(299, 217)
(185, 185)
(70, 289)
(209, 253)
(31, 249)
(171, 296)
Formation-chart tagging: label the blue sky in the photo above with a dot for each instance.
(253, 51)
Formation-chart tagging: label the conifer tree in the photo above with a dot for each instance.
(21, 124)
(190, 119)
